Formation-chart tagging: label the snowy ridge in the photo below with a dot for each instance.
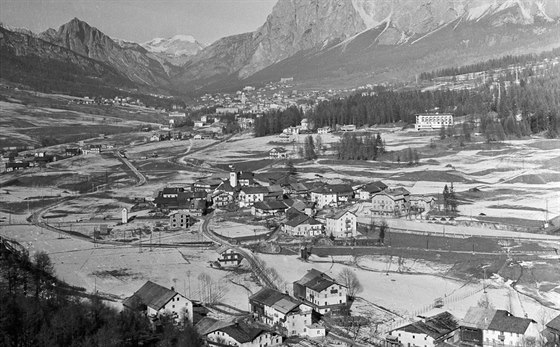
(177, 45)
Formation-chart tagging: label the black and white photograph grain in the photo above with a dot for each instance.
(295, 173)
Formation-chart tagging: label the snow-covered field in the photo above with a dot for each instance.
(120, 270)
(410, 294)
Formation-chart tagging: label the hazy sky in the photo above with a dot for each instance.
(142, 20)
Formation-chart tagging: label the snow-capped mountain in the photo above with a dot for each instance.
(341, 37)
(178, 45)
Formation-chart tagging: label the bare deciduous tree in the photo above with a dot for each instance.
(349, 279)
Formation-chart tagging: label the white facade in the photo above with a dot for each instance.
(333, 295)
(409, 339)
(264, 339)
(294, 323)
(343, 226)
(324, 198)
(249, 199)
(305, 229)
(431, 121)
(179, 306)
(492, 338)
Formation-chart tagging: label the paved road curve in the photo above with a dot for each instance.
(124, 160)
(255, 265)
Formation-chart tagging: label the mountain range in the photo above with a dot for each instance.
(319, 42)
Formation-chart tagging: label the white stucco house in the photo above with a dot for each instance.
(155, 300)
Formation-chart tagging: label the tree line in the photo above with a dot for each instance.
(527, 107)
(498, 63)
(275, 121)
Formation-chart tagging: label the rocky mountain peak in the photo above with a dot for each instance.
(178, 45)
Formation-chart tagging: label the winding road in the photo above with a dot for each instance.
(255, 265)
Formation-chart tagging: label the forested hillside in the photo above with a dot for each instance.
(37, 309)
(532, 103)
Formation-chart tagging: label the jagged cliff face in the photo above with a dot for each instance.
(80, 37)
(300, 25)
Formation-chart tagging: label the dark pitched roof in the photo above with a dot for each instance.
(302, 219)
(341, 188)
(270, 205)
(297, 220)
(254, 190)
(150, 294)
(266, 296)
(292, 213)
(208, 325)
(375, 187)
(435, 326)
(242, 332)
(279, 301)
(172, 190)
(299, 187)
(478, 318)
(339, 214)
(505, 321)
(555, 323)
(244, 175)
(316, 280)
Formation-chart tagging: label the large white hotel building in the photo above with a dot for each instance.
(429, 121)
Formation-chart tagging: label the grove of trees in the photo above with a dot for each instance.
(360, 147)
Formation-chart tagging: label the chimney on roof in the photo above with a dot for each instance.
(172, 288)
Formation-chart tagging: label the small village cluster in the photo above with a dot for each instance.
(306, 209)
(273, 96)
(275, 316)
(14, 161)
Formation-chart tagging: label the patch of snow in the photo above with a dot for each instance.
(186, 38)
(511, 3)
(540, 6)
(366, 10)
(475, 13)
(430, 33)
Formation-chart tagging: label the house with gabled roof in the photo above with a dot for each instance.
(506, 329)
(268, 208)
(552, 331)
(332, 194)
(246, 178)
(155, 300)
(249, 195)
(278, 309)
(231, 333)
(391, 202)
(429, 332)
(422, 203)
(229, 257)
(321, 292)
(222, 198)
(296, 189)
(278, 153)
(471, 327)
(490, 327)
(366, 192)
(342, 224)
(303, 225)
